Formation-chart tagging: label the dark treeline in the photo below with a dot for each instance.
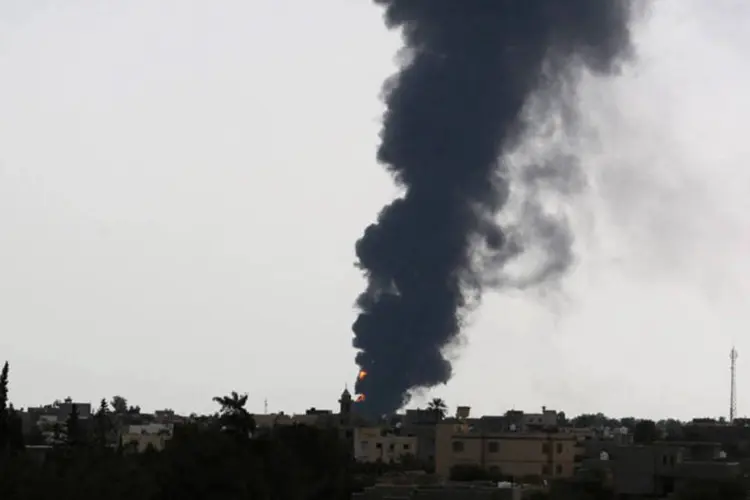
(221, 456)
(210, 457)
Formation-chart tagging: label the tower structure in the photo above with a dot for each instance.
(733, 388)
(345, 403)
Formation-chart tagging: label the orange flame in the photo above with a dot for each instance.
(360, 398)
(362, 374)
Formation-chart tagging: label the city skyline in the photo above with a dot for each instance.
(179, 212)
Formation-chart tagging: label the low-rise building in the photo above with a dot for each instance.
(422, 425)
(544, 454)
(141, 437)
(655, 470)
(377, 444)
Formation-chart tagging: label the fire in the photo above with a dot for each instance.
(362, 374)
(360, 398)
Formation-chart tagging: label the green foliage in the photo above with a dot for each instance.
(645, 432)
(201, 461)
(213, 457)
(73, 427)
(11, 426)
(4, 414)
(233, 416)
(438, 406)
(119, 405)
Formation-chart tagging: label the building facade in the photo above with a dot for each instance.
(550, 454)
(141, 437)
(376, 444)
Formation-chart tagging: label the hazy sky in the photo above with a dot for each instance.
(182, 183)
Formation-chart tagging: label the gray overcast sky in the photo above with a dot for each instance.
(182, 183)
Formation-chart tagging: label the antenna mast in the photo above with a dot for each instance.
(265, 406)
(733, 389)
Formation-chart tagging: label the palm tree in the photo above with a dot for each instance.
(233, 416)
(438, 406)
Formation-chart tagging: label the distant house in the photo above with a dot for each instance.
(141, 437)
(65, 409)
(657, 469)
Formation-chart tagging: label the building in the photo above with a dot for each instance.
(344, 421)
(542, 454)
(423, 425)
(141, 437)
(65, 408)
(377, 444)
(655, 470)
(547, 419)
(734, 438)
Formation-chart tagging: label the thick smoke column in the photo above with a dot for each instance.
(469, 68)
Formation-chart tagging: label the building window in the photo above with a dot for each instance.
(558, 469)
(493, 447)
(364, 444)
(546, 448)
(559, 448)
(546, 470)
(378, 445)
(391, 447)
(406, 446)
(458, 446)
(664, 460)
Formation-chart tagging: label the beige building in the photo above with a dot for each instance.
(517, 454)
(140, 437)
(372, 444)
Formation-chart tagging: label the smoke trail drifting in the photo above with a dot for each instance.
(453, 109)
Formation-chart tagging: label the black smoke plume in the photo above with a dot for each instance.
(469, 67)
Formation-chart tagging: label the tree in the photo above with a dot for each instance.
(4, 427)
(102, 424)
(11, 426)
(233, 416)
(15, 430)
(628, 423)
(672, 429)
(73, 427)
(119, 405)
(596, 421)
(438, 406)
(645, 432)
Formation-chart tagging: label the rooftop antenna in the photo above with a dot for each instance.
(265, 406)
(733, 389)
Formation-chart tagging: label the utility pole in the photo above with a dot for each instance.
(733, 388)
